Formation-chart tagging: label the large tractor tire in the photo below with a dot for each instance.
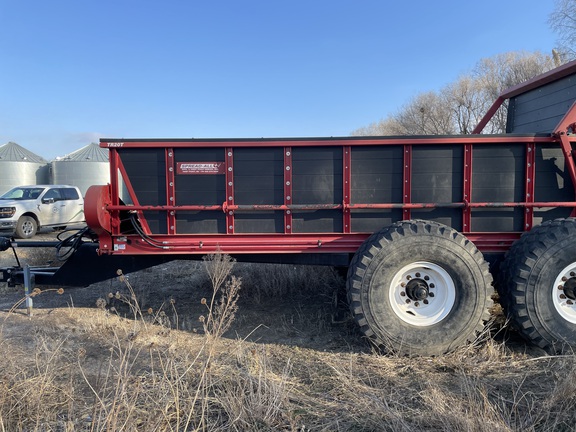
(538, 285)
(419, 288)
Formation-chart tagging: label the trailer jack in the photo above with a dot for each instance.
(29, 280)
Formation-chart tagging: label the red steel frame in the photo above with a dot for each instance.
(407, 181)
(467, 186)
(287, 189)
(347, 189)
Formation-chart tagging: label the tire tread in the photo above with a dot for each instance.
(388, 235)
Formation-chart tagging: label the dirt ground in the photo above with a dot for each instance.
(308, 319)
(300, 352)
(309, 316)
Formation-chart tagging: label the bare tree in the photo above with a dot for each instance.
(466, 103)
(562, 20)
(425, 114)
(386, 126)
(496, 74)
(458, 107)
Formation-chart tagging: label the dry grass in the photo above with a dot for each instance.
(144, 362)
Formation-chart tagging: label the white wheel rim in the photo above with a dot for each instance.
(422, 293)
(27, 227)
(563, 293)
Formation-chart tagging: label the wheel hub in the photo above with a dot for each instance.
(417, 289)
(569, 288)
(422, 293)
(564, 293)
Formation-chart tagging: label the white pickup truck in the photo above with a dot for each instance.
(25, 209)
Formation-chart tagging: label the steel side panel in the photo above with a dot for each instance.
(541, 109)
(293, 196)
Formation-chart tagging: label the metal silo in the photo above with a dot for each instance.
(19, 167)
(83, 168)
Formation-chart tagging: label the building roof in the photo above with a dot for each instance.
(15, 153)
(565, 71)
(90, 153)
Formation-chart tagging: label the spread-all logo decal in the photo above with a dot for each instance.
(200, 168)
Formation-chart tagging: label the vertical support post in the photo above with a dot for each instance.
(561, 131)
(568, 156)
(288, 189)
(229, 158)
(347, 188)
(467, 189)
(407, 181)
(170, 190)
(28, 286)
(115, 173)
(120, 170)
(529, 185)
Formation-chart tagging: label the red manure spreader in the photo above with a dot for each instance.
(428, 226)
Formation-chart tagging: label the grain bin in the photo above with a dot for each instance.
(83, 168)
(19, 166)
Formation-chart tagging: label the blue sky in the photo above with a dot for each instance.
(72, 71)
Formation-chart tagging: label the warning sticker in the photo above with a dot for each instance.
(200, 168)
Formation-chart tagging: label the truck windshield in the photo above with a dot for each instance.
(22, 193)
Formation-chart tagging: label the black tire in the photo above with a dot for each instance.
(540, 305)
(26, 227)
(419, 252)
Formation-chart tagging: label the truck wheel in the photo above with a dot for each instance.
(419, 288)
(26, 227)
(539, 285)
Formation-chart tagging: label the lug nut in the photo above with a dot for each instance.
(403, 294)
(562, 296)
(432, 286)
(560, 287)
(430, 294)
(402, 284)
(426, 278)
(408, 277)
(425, 301)
(570, 302)
(564, 278)
(417, 274)
(407, 301)
(416, 304)
(572, 274)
